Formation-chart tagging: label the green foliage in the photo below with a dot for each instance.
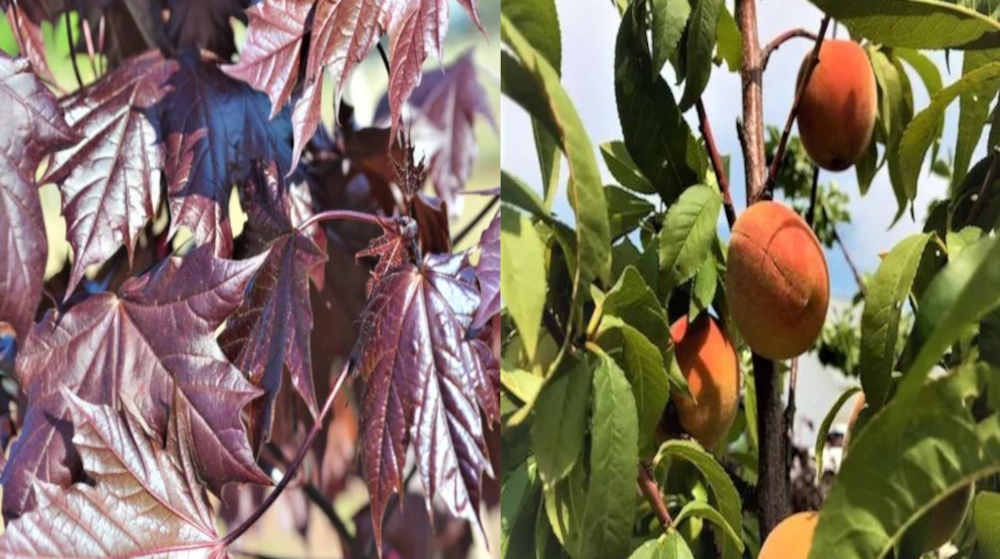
(522, 259)
(689, 231)
(701, 38)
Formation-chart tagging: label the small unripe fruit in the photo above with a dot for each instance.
(777, 282)
(792, 539)
(839, 105)
(946, 518)
(708, 361)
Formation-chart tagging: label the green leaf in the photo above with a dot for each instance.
(887, 293)
(667, 546)
(974, 111)
(923, 447)
(514, 192)
(989, 338)
(623, 169)
(687, 235)
(824, 428)
(656, 134)
(560, 425)
(522, 276)
(644, 366)
(610, 508)
(986, 517)
(515, 440)
(538, 22)
(727, 499)
(669, 18)
(632, 300)
(534, 84)
(917, 24)
(706, 281)
(548, 161)
(700, 45)
(625, 210)
(960, 295)
(522, 384)
(730, 40)
(701, 509)
(925, 68)
(519, 500)
(923, 128)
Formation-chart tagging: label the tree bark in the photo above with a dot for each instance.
(773, 483)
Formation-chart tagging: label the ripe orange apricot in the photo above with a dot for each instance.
(777, 281)
(946, 518)
(708, 361)
(839, 105)
(792, 539)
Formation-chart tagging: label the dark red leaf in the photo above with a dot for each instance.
(110, 181)
(136, 347)
(419, 376)
(488, 273)
(214, 127)
(26, 23)
(32, 126)
(271, 330)
(132, 26)
(270, 60)
(431, 215)
(410, 534)
(146, 499)
(393, 248)
(201, 24)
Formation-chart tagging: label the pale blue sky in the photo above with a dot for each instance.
(588, 32)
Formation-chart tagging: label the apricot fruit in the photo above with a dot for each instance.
(946, 518)
(708, 361)
(777, 281)
(839, 105)
(792, 538)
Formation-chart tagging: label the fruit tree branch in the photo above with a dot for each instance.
(773, 483)
(720, 172)
(779, 154)
(862, 288)
(811, 215)
(294, 465)
(991, 177)
(784, 38)
(652, 493)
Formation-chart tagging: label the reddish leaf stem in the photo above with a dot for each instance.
(720, 172)
(652, 493)
(342, 215)
(294, 465)
(779, 154)
(784, 38)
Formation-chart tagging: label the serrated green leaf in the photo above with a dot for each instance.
(667, 546)
(632, 300)
(703, 510)
(522, 276)
(624, 169)
(625, 210)
(974, 111)
(687, 235)
(887, 293)
(656, 134)
(918, 24)
(706, 281)
(644, 367)
(727, 499)
(534, 84)
(960, 295)
(926, 446)
(922, 130)
(560, 425)
(513, 191)
(925, 68)
(824, 428)
(986, 517)
(669, 18)
(700, 46)
(730, 40)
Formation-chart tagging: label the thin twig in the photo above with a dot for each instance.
(811, 215)
(89, 40)
(342, 215)
(72, 45)
(862, 288)
(651, 491)
(779, 154)
(991, 176)
(295, 464)
(784, 38)
(475, 221)
(317, 497)
(385, 59)
(720, 172)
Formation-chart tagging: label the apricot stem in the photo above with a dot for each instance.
(720, 173)
(779, 154)
(651, 491)
(784, 38)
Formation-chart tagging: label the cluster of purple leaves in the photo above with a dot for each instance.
(130, 408)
